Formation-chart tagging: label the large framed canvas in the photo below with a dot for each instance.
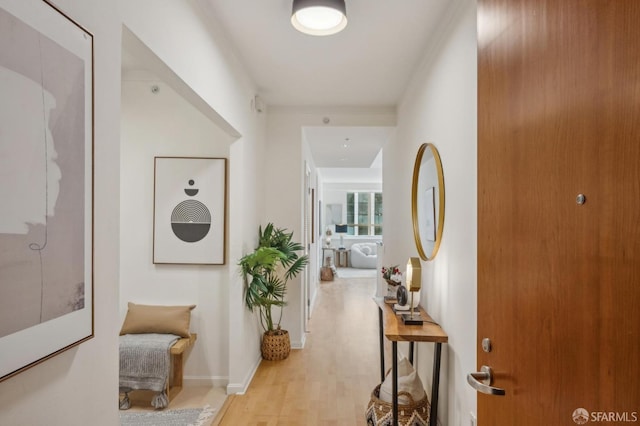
(189, 218)
(46, 184)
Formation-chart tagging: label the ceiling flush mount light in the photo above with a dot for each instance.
(319, 17)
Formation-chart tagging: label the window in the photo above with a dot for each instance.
(364, 213)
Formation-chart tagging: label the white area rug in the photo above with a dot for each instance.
(182, 417)
(356, 273)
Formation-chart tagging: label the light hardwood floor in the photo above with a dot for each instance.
(330, 381)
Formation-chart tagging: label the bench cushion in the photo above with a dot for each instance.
(157, 319)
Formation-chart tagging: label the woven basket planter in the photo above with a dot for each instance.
(276, 347)
(380, 413)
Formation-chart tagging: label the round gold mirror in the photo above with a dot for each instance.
(427, 201)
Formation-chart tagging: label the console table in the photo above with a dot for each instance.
(392, 327)
(333, 255)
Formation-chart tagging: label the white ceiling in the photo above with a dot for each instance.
(348, 154)
(342, 147)
(368, 64)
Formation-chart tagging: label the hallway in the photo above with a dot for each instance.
(330, 381)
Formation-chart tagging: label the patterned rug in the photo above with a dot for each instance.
(182, 417)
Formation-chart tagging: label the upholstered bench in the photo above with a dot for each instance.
(153, 340)
(174, 384)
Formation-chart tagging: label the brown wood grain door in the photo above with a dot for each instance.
(558, 281)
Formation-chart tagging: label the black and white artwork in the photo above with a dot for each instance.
(46, 199)
(189, 210)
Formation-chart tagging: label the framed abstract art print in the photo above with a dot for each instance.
(189, 216)
(46, 184)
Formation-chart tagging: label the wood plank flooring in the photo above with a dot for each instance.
(330, 381)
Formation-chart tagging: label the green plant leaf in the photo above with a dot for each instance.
(297, 267)
(267, 270)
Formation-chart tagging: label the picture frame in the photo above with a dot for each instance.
(313, 215)
(46, 156)
(189, 215)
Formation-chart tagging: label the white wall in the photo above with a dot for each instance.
(284, 159)
(164, 124)
(208, 74)
(167, 26)
(440, 107)
(68, 389)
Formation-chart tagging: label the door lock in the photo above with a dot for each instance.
(486, 344)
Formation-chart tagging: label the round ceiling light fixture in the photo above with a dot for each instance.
(319, 17)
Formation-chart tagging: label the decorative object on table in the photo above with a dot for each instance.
(341, 230)
(414, 279)
(189, 210)
(413, 403)
(266, 272)
(427, 201)
(327, 240)
(46, 141)
(401, 297)
(393, 277)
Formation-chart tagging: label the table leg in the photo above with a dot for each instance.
(411, 353)
(381, 346)
(433, 416)
(394, 380)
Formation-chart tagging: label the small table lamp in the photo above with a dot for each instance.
(341, 230)
(413, 280)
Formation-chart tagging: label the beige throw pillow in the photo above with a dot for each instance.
(157, 319)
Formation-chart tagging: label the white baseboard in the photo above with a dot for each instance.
(312, 305)
(300, 344)
(213, 381)
(241, 388)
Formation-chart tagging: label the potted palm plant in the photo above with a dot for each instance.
(266, 272)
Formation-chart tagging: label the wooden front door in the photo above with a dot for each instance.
(559, 275)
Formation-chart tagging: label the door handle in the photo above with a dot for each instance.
(481, 381)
